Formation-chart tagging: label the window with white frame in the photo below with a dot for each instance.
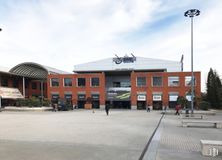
(95, 82)
(141, 81)
(81, 82)
(173, 81)
(157, 81)
(188, 81)
(67, 82)
(54, 82)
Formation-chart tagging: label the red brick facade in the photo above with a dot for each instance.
(148, 89)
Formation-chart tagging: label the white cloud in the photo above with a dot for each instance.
(61, 33)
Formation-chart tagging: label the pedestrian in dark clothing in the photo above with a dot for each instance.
(107, 109)
(148, 108)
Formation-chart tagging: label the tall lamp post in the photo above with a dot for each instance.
(192, 13)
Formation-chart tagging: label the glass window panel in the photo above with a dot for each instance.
(188, 81)
(95, 82)
(81, 82)
(67, 82)
(173, 81)
(157, 81)
(34, 85)
(54, 82)
(141, 81)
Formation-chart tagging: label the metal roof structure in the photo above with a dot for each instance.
(34, 70)
(127, 63)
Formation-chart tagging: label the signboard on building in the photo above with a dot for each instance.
(68, 96)
(10, 93)
(118, 95)
(95, 96)
(125, 59)
(157, 97)
(81, 97)
(173, 98)
(141, 97)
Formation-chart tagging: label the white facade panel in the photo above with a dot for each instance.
(139, 64)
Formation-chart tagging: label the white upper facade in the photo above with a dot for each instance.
(128, 64)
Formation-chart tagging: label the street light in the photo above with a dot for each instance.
(192, 13)
(0, 29)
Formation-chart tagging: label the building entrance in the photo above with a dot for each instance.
(141, 105)
(119, 104)
(157, 105)
(81, 104)
(95, 104)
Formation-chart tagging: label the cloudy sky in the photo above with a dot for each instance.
(63, 33)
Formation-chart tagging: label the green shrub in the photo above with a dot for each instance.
(204, 105)
(46, 102)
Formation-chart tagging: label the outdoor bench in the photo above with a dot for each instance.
(210, 147)
(186, 123)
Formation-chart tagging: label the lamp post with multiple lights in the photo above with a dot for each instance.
(192, 13)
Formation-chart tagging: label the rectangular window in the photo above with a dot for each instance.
(116, 84)
(188, 81)
(81, 82)
(54, 82)
(141, 81)
(15, 83)
(4, 82)
(157, 81)
(95, 82)
(34, 85)
(173, 81)
(67, 82)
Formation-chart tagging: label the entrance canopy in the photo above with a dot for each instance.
(34, 70)
(10, 93)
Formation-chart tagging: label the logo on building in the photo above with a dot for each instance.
(125, 59)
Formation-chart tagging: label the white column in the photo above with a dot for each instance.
(42, 91)
(23, 81)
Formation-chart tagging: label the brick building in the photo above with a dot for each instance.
(124, 82)
(26, 79)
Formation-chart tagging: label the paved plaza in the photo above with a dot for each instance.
(78, 134)
(173, 142)
(84, 135)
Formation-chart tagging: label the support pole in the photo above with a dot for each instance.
(0, 103)
(42, 92)
(23, 81)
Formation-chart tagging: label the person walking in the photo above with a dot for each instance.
(107, 107)
(148, 108)
(177, 109)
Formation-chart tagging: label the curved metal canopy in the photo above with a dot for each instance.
(34, 70)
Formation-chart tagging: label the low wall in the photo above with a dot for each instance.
(10, 108)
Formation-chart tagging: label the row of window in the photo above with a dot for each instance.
(5, 82)
(157, 81)
(81, 82)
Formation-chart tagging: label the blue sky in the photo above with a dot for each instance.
(62, 33)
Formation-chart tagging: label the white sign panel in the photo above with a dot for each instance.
(157, 97)
(188, 97)
(173, 97)
(141, 97)
(10, 93)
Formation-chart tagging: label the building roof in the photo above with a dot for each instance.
(32, 70)
(129, 63)
(4, 69)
